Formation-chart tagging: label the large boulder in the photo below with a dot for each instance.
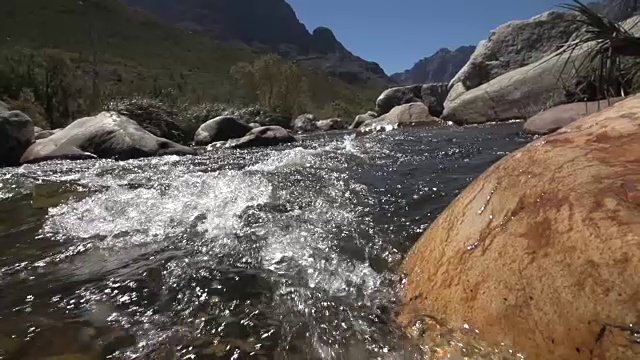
(512, 46)
(408, 115)
(362, 118)
(434, 95)
(524, 92)
(558, 117)
(272, 119)
(542, 251)
(305, 123)
(261, 137)
(222, 128)
(397, 96)
(16, 135)
(154, 117)
(331, 124)
(106, 135)
(43, 134)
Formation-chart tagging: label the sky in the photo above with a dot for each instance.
(398, 33)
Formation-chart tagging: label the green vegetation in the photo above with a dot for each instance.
(63, 59)
(611, 53)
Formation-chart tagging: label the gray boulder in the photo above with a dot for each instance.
(397, 96)
(153, 116)
(331, 124)
(271, 119)
(521, 93)
(43, 134)
(558, 117)
(434, 95)
(514, 45)
(362, 118)
(305, 123)
(3, 106)
(407, 115)
(106, 135)
(263, 136)
(222, 128)
(16, 135)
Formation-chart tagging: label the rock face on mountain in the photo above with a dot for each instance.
(514, 45)
(270, 24)
(439, 67)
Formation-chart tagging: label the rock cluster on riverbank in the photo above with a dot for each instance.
(517, 73)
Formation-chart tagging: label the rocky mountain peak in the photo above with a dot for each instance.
(442, 66)
(270, 25)
(324, 41)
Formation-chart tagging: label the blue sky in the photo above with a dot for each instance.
(397, 33)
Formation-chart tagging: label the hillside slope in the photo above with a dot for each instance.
(267, 24)
(141, 54)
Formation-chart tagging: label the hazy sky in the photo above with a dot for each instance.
(397, 33)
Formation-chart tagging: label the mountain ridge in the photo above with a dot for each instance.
(270, 25)
(442, 66)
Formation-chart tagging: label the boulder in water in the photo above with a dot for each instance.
(106, 135)
(362, 118)
(154, 117)
(305, 123)
(271, 119)
(16, 135)
(222, 128)
(560, 116)
(414, 114)
(43, 134)
(331, 124)
(397, 96)
(3, 107)
(542, 251)
(433, 96)
(263, 136)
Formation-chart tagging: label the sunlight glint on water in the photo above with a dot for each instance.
(281, 253)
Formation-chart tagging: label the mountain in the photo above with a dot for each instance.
(139, 55)
(439, 67)
(267, 25)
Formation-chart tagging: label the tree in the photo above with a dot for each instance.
(275, 84)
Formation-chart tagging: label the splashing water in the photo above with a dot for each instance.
(281, 253)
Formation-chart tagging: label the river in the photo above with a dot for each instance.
(280, 253)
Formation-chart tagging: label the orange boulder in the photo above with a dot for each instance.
(542, 251)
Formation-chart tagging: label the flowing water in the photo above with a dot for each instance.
(281, 253)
